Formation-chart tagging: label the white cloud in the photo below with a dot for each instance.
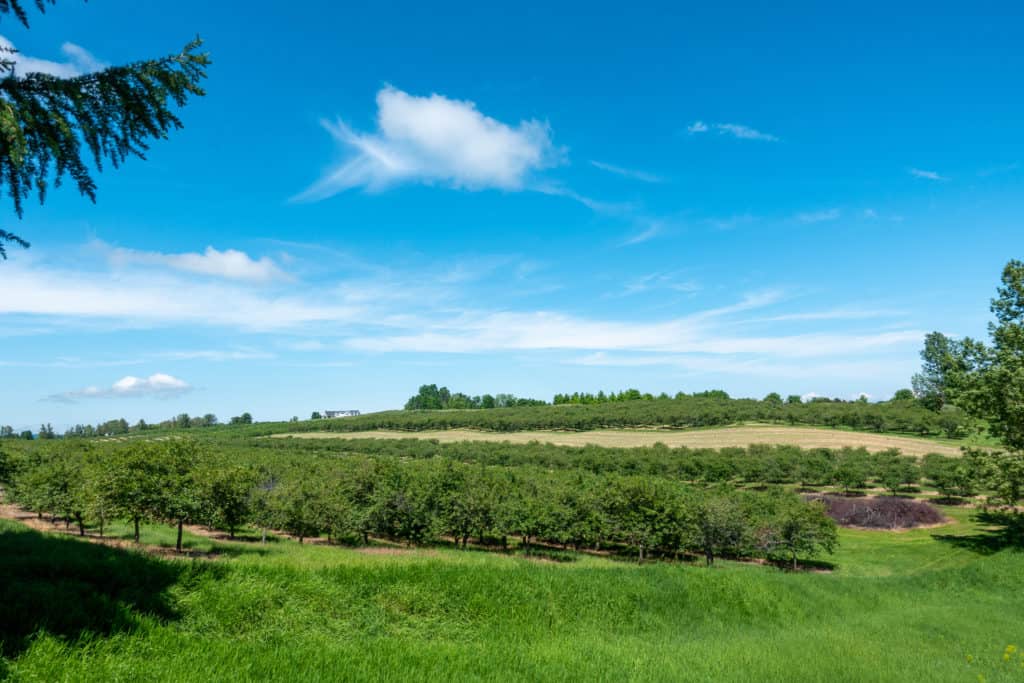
(870, 213)
(642, 176)
(79, 61)
(746, 367)
(818, 216)
(927, 175)
(229, 264)
(732, 222)
(645, 235)
(697, 333)
(158, 385)
(835, 314)
(744, 132)
(158, 299)
(659, 282)
(215, 355)
(435, 140)
(734, 129)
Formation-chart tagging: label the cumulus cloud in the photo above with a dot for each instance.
(734, 129)
(818, 216)
(229, 264)
(79, 61)
(157, 385)
(927, 175)
(435, 140)
(642, 176)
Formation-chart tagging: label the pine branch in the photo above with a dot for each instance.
(45, 120)
(16, 8)
(10, 237)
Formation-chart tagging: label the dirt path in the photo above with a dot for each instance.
(805, 437)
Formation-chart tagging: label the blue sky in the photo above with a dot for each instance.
(525, 199)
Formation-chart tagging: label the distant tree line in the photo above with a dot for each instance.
(430, 397)
(120, 426)
(682, 411)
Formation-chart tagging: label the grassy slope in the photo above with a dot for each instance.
(899, 607)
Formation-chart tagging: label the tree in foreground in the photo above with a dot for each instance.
(52, 128)
(795, 527)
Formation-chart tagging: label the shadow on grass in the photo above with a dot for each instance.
(1001, 530)
(71, 589)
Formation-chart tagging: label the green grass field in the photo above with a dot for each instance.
(898, 606)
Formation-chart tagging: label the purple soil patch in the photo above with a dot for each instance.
(884, 512)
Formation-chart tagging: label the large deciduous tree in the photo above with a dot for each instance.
(52, 127)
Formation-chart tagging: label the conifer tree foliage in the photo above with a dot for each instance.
(54, 128)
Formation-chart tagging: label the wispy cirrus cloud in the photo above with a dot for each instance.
(229, 264)
(926, 175)
(435, 140)
(79, 61)
(736, 130)
(660, 282)
(158, 385)
(647, 234)
(818, 216)
(642, 176)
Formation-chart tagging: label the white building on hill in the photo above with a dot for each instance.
(340, 413)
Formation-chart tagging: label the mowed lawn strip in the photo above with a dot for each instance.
(805, 437)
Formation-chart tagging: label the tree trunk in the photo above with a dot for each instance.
(794, 562)
(81, 525)
(136, 520)
(710, 557)
(263, 540)
(640, 557)
(181, 524)
(231, 532)
(102, 522)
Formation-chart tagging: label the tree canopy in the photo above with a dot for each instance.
(54, 128)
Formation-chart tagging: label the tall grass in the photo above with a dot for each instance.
(290, 612)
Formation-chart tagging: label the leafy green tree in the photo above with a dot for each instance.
(905, 395)
(942, 363)
(226, 492)
(298, 506)
(132, 483)
(989, 381)
(720, 525)
(46, 121)
(1002, 473)
(953, 477)
(852, 471)
(895, 471)
(795, 527)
